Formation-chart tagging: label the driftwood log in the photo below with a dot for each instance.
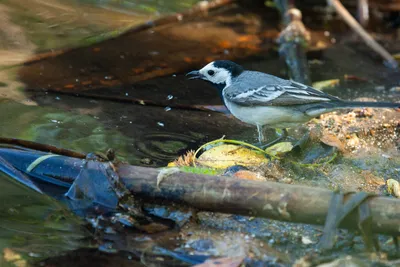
(283, 202)
(292, 203)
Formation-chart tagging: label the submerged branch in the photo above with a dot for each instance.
(283, 202)
(293, 203)
(41, 147)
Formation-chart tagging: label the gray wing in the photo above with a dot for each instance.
(281, 94)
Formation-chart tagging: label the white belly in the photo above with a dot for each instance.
(274, 117)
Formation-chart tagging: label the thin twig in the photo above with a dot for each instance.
(348, 18)
(41, 147)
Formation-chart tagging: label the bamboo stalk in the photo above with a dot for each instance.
(292, 203)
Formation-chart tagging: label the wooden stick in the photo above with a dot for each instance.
(292, 203)
(41, 147)
(369, 41)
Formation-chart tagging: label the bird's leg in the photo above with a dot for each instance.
(284, 133)
(280, 138)
(260, 134)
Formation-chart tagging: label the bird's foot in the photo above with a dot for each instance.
(264, 146)
(281, 137)
(277, 140)
(258, 144)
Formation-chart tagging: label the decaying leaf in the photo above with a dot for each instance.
(372, 179)
(13, 258)
(393, 187)
(331, 140)
(396, 56)
(279, 149)
(224, 156)
(184, 160)
(349, 77)
(326, 84)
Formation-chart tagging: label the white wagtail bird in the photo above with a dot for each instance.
(261, 99)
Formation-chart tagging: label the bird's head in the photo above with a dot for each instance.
(219, 73)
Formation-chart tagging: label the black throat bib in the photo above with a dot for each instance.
(220, 87)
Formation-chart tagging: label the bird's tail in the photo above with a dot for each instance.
(360, 104)
(324, 107)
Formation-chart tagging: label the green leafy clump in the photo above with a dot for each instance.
(198, 170)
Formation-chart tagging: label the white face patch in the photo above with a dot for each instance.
(216, 75)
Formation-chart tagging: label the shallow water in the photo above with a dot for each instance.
(88, 125)
(35, 226)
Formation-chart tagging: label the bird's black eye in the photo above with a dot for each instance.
(211, 72)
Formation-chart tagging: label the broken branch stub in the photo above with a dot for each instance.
(293, 203)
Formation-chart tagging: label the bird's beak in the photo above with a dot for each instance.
(195, 75)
